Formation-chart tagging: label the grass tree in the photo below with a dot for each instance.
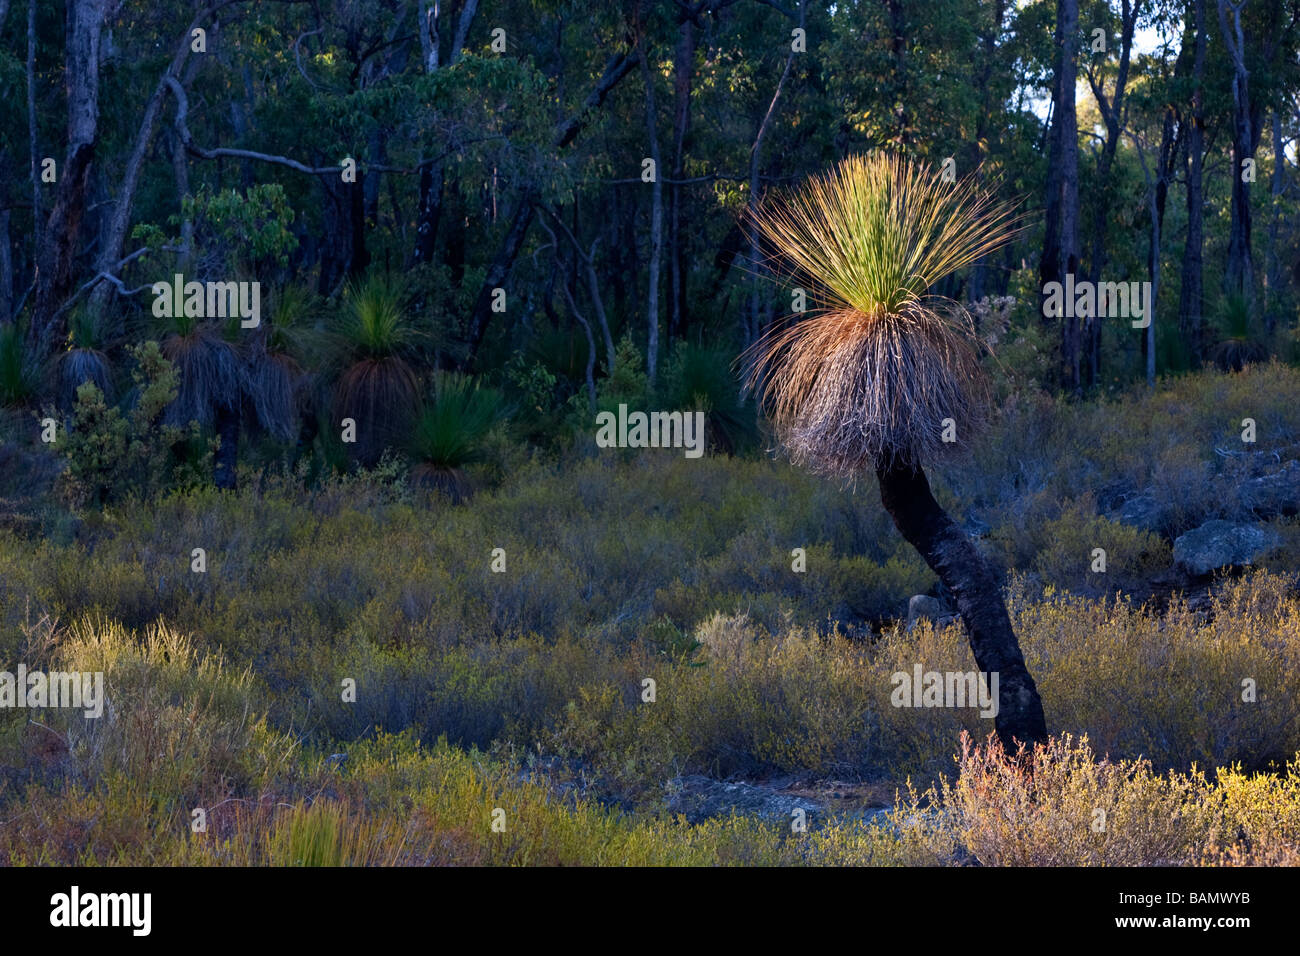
(211, 388)
(448, 433)
(274, 378)
(882, 375)
(377, 386)
(84, 360)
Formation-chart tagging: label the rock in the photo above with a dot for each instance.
(1141, 511)
(1222, 544)
(699, 798)
(1277, 494)
(923, 606)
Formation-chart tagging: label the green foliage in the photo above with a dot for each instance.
(111, 455)
(18, 376)
(627, 382)
(1237, 347)
(877, 231)
(374, 323)
(1065, 552)
(540, 415)
(253, 225)
(449, 430)
(702, 379)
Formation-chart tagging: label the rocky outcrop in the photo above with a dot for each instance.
(1222, 544)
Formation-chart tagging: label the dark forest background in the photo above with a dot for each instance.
(508, 146)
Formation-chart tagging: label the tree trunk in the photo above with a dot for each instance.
(1170, 135)
(120, 221)
(426, 228)
(56, 258)
(1191, 294)
(336, 247)
(617, 68)
(905, 493)
(181, 170)
(755, 326)
(986, 127)
(656, 225)
(227, 456)
(1239, 273)
(33, 133)
(1273, 260)
(432, 174)
(1061, 240)
(359, 255)
(1112, 112)
(6, 271)
(496, 274)
(683, 68)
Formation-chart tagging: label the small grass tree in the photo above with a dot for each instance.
(882, 375)
(377, 385)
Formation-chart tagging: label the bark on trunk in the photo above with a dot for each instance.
(33, 133)
(1273, 261)
(1112, 111)
(63, 230)
(683, 68)
(656, 226)
(1239, 273)
(1061, 244)
(120, 221)
(905, 493)
(426, 229)
(1191, 293)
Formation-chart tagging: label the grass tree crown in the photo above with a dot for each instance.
(869, 378)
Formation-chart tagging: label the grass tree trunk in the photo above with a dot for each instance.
(905, 493)
(227, 457)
